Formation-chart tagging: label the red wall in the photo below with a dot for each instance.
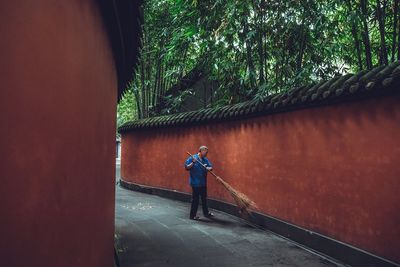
(57, 135)
(333, 169)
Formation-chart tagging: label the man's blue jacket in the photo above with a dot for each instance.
(198, 174)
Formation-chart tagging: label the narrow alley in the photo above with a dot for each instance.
(154, 231)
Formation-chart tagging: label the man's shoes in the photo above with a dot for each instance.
(195, 218)
(210, 214)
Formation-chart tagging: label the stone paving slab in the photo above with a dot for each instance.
(153, 231)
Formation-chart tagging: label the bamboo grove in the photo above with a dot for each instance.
(253, 48)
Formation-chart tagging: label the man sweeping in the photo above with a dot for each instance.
(198, 181)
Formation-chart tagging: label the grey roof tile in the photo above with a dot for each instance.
(377, 81)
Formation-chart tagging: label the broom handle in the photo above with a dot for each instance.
(216, 176)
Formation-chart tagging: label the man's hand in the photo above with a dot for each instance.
(209, 168)
(190, 165)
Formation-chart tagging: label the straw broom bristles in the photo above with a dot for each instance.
(242, 201)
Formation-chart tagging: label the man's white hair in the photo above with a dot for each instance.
(203, 147)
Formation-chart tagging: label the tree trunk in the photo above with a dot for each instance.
(156, 78)
(395, 19)
(143, 76)
(398, 35)
(160, 79)
(380, 11)
(299, 59)
(137, 99)
(354, 32)
(182, 63)
(364, 11)
(143, 89)
(260, 33)
(247, 41)
(158, 73)
(148, 77)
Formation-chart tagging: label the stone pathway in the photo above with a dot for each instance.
(153, 231)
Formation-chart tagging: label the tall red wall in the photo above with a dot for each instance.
(57, 135)
(334, 169)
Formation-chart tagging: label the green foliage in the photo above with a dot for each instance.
(127, 109)
(254, 48)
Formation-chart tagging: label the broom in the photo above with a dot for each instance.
(242, 201)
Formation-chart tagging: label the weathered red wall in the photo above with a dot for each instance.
(57, 135)
(333, 169)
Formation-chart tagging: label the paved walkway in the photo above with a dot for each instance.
(153, 231)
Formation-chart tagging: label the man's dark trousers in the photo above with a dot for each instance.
(198, 191)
